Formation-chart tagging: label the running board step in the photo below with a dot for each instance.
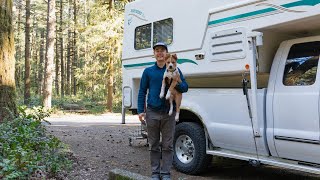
(274, 161)
(232, 154)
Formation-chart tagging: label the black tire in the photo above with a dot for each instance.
(199, 160)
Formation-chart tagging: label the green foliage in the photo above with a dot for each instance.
(94, 105)
(25, 147)
(99, 34)
(100, 49)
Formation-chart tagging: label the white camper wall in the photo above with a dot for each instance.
(195, 22)
(190, 22)
(278, 19)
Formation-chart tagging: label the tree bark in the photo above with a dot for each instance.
(18, 51)
(61, 51)
(75, 50)
(110, 74)
(34, 55)
(68, 65)
(47, 89)
(27, 80)
(68, 88)
(62, 68)
(57, 65)
(41, 64)
(110, 84)
(111, 5)
(7, 62)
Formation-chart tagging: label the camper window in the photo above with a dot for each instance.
(301, 65)
(142, 36)
(163, 31)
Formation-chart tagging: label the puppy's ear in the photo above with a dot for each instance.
(175, 56)
(167, 56)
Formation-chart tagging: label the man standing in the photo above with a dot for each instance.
(156, 114)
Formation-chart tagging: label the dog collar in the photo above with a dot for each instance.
(172, 70)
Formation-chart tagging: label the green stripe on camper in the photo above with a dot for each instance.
(179, 61)
(240, 16)
(264, 11)
(302, 3)
(138, 65)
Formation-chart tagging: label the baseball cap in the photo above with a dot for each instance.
(160, 44)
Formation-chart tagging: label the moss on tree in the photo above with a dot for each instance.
(7, 62)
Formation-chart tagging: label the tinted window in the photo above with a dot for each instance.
(142, 37)
(301, 65)
(163, 31)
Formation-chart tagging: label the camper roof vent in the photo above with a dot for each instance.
(228, 44)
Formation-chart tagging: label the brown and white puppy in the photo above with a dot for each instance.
(170, 78)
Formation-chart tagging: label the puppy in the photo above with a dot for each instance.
(170, 78)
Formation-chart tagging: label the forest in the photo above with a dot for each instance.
(54, 55)
(67, 53)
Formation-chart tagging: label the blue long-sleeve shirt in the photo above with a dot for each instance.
(152, 80)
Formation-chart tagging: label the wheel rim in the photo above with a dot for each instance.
(184, 149)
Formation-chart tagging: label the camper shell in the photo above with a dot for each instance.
(251, 66)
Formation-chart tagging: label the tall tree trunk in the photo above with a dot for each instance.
(75, 50)
(57, 65)
(66, 70)
(62, 67)
(68, 88)
(18, 52)
(41, 64)
(110, 74)
(110, 83)
(7, 62)
(85, 53)
(111, 5)
(51, 19)
(34, 52)
(27, 80)
(61, 50)
(69, 64)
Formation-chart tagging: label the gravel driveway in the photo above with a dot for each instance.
(100, 143)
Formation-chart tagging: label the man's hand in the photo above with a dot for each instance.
(142, 116)
(177, 77)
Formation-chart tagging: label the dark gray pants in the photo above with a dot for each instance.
(160, 122)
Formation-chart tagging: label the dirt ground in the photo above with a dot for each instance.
(101, 143)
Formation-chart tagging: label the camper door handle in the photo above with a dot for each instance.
(199, 56)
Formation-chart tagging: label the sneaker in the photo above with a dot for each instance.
(166, 177)
(155, 177)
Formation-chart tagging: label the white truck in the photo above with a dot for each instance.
(251, 66)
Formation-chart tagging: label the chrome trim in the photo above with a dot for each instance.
(269, 160)
(233, 155)
(291, 165)
(309, 141)
(184, 149)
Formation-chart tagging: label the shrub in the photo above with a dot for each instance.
(26, 148)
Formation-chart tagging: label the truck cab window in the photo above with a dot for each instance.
(163, 31)
(301, 65)
(142, 37)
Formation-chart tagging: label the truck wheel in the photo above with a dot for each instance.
(190, 149)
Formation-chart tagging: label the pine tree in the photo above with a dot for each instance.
(48, 77)
(27, 80)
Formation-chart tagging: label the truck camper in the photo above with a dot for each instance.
(251, 66)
